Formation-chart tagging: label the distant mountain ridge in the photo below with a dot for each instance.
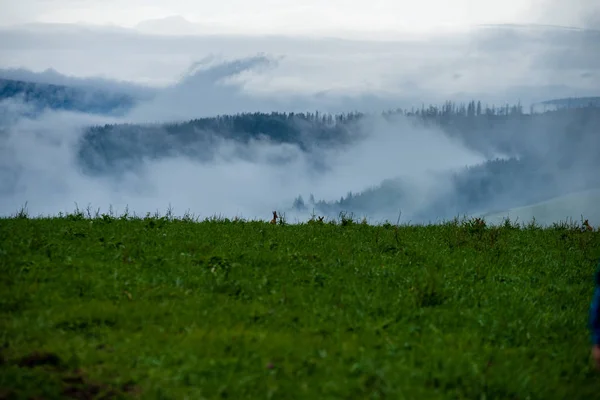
(178, 25)
(566, 103)
(172, 25)
(58, 97)
(536, 26)
(575, 101)
(52, 77)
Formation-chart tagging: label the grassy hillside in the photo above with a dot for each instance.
(569, 207)
(159, 308)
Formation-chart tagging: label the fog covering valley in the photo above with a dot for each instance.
(425, 129)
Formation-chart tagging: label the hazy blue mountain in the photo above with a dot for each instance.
(58, 97)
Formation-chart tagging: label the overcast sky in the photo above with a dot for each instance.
(279, 16)
(506, 64)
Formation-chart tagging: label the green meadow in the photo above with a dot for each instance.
(165, 308)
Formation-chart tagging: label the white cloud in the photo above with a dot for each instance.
(488, 63)
(271, 16)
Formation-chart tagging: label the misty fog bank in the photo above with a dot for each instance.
(205, 124)
(431, 163)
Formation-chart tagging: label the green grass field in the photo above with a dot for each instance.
(157, 308)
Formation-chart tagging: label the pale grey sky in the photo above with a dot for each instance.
(307, 16)
(508, 63)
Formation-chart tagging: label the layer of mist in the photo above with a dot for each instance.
(213, 144)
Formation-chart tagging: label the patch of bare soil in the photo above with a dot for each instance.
(75, 384)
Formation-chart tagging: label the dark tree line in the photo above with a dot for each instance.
(111, 148)
(42, 96)
(485, 128)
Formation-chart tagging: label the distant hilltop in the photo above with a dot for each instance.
(545, 27)
(61, 97)
(566, 103)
